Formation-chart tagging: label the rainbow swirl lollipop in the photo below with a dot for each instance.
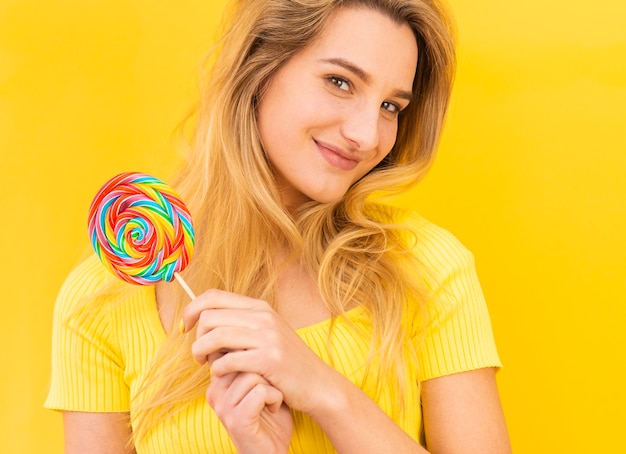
(141, 229)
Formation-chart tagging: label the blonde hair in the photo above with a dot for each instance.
(353, 247)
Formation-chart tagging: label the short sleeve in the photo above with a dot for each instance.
(87, 368)
(456, 334)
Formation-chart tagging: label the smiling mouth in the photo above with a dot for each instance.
(335, 158)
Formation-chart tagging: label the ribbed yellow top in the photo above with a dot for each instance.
(97, 363)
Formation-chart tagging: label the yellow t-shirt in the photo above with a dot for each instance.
(97, 364)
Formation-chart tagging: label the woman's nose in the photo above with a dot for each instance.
(360, 127)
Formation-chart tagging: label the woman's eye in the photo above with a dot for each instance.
(340, 83)
(391, 107)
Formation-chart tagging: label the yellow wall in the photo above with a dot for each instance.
(530, 177)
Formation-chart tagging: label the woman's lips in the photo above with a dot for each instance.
(335, 157)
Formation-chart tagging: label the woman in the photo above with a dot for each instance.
(332, 322)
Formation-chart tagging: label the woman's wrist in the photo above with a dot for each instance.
(332, 397)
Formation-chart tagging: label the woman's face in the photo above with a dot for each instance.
(330, 114)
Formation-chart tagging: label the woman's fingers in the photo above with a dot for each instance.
(218, 342)
(242, 394)
(252, 411)
(227, 322)
(260, 397)
(237, 334)
(259, 317)
(217, 299)
(211, 358)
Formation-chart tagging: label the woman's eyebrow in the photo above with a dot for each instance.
(363, 75)
(354, 69)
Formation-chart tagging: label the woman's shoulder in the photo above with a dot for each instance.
(86, 278)
(430, 242)
(99, 306)
(437, 255)
(88, 281)
(436, 242)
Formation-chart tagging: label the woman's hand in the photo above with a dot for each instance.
(238, 334)
(252, 411)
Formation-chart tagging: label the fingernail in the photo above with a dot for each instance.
(181, 326)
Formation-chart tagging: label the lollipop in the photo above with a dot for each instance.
(141, 230)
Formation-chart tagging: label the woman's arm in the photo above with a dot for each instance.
(354, 423)
(462, 415)
(236, 334)
(97, 433)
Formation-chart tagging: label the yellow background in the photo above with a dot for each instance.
(530, 177)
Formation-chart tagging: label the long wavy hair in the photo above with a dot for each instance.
(354, 248)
